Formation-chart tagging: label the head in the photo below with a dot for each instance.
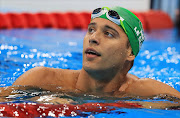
(113, 40)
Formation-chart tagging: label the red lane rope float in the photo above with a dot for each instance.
(79, 20)
(42, 110)
(32, 20)
(46, 20)
(62, 20)
(157, 20)
(4, 21)
(76, 20)
(17, 20)
(86, 17)
(72, 20)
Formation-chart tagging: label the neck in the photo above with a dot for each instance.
(100, 81)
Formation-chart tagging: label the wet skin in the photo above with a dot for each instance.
(106, 62)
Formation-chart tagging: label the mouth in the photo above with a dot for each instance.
(91, 51)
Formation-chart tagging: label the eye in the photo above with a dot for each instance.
(91, 30)
(109, 34)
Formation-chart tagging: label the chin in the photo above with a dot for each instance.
(93, 68)
(90, 67)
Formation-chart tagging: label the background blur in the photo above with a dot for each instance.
(169, 6)
(71, 5)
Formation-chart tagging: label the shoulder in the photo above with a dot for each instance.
(41, 76)
(34, 75)
(130, 80)
(149, 87)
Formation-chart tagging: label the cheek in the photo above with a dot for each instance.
(85, 41)
(116, 51)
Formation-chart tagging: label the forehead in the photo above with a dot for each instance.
(102, 22)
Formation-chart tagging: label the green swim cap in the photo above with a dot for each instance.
(131, 25)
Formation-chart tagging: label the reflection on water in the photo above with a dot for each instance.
(25, 101)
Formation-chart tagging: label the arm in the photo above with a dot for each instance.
(157, 104)
(150, 87)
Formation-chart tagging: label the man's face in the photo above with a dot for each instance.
(104, 46)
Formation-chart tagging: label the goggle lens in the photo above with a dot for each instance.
(96, 11)
(113, 14)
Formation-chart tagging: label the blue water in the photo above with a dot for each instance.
(23, 49)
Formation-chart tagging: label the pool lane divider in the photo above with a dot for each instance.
(43, 110)
(152, 19)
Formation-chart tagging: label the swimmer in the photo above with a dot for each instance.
(112, 42)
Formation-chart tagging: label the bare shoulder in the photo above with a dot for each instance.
(42, 76)
(149, 87)
(130, 80)
(31, 75)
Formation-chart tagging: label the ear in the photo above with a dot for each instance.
(130, 55)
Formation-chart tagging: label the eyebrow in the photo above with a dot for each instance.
(91, 24)
(109, 27)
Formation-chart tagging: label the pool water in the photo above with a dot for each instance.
(23, 49)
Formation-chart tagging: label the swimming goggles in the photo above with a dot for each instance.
(110, 14)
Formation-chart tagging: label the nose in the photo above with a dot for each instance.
(94, 39)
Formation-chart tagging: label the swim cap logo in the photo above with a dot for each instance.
(140, 35)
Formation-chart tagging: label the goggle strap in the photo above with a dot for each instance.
(123, 26)
(106, 8)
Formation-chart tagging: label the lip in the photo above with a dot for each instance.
(97, 54)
